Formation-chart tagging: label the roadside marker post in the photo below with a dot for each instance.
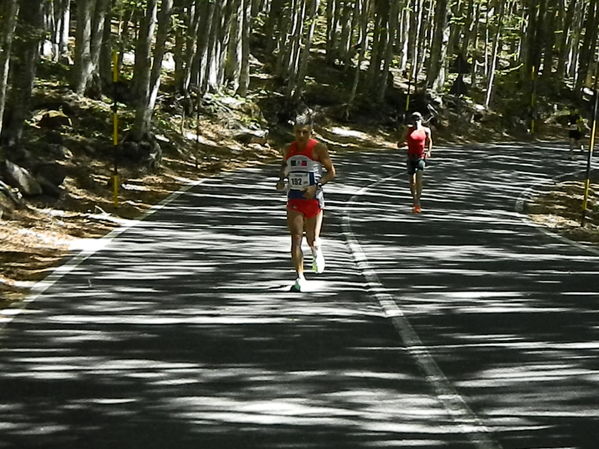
(587, 181)
(115, 130)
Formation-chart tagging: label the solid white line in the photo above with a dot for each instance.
(39, 288)
(469, 424)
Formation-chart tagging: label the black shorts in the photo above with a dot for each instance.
(415, 164)
(575, 134)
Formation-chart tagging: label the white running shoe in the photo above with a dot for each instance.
(318, 263)
(299, 285)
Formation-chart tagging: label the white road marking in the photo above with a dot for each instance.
(11, 312)
(469, 424)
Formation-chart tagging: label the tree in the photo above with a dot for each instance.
(244, 73)
(8, 21)
(29, 31)
(435, 70)
(496, 40)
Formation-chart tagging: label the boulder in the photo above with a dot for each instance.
(54, 120)
(21, 178)
(10, 198)
(247, 136)
(146, 152)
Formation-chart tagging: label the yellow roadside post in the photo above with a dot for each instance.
(587, 181)
(115, 130)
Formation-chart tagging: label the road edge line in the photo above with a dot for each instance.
(9, 313)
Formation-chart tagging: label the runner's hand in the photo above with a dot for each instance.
(280, 185)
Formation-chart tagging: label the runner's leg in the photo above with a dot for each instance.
(418, 194)
(313, 225)
(295, 223)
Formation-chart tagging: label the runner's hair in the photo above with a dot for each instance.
(303, 119)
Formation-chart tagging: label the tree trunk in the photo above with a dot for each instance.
(97, 37)
(270, 29)
(305, 54)
(105, 60)
(564, 40)
(8, 21)
(83, 67)
(29, 33)
(234, 50)
(244, 76)
(435, 73)
(143, 71)
(364, 19)
(588, 49)
(388, 56)
(495, 51)
(549, 24)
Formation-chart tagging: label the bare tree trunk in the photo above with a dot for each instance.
(392, 27)
(364, 19)
(142, 71)
(305, 54)
(159, 51)
(332, 13)
(244, 77)
(587, 51)
(83, 67)
(29, 31)
(8, 21)
(495, 51)
(234, 50)
(549, 24)
(565, 39)
(435, 75)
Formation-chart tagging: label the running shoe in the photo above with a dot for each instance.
(416, 209)
(318, 261)
(299, 285)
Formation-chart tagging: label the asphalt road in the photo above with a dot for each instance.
(463, 327)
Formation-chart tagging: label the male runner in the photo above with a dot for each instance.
(302, 165)
(420, 144)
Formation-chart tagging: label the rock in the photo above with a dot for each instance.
(21, 178)
(11, 197)
(248, 136)
(54, 120)
(147, 152)
(60, 152)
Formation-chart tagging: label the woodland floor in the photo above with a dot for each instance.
(36, 239)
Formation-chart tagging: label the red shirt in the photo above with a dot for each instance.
(416, 140)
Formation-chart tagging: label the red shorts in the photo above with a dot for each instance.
(309, 208)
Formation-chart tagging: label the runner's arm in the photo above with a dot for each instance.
(323, 157)
(327, 163)
(429, 140)
(282, 172)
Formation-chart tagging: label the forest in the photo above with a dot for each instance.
(105, 79)
(488, 47)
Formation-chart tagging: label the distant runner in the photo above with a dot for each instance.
(576, 131)
(420, 144)
(302, 166)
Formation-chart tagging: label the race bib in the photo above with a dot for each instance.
(299, 180)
